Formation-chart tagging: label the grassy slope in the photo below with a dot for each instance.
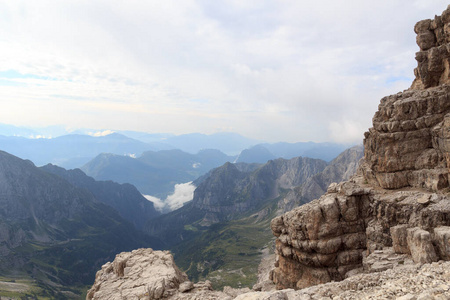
(228, 253)
(66, 269)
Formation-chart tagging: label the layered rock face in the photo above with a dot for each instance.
(398, 201)
(433, 37)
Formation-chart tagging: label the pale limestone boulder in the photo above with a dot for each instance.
(140, 274)
(185, 286)
(150, 275)
(420, 246)
(332, 188)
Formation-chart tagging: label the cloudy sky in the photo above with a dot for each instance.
(286, 70)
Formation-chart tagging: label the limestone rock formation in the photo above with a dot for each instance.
(398, 202)
(147, 274)
(433, 37)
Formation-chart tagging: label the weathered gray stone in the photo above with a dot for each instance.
(399, 239)
(185, 286)
(142, 273)
(420, 246)
(442, 241)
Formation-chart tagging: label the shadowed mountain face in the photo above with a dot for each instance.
(125, 198)
(341, 168)
(229, 193)
(54, 231)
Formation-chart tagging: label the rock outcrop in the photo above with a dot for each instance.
(398, 198)
(148, 274)
(433, 37)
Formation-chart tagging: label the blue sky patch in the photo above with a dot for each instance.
(13, 74)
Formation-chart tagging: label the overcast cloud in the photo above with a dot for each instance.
(272, 70)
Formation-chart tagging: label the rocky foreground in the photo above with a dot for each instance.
(148, 274)
(383, 234)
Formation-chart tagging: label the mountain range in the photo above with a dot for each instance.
(58, 233)
(70, 151)
(58, 226)
(77, 148)
(220, 233)
(264, 152)
(124, 198)
(155, 173)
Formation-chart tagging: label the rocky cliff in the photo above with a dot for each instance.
(399, 200)
(339, 169)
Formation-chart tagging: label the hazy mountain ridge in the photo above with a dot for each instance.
(262, 153)
(228, 188)
(155, 173)
(16, 138)
(71, 151)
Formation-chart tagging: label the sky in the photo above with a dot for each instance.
(286, 70)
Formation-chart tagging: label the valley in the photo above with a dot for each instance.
(68, 223)
(224, 150)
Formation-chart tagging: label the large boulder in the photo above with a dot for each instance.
(140, 274)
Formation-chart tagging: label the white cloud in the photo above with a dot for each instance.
(158, 203)
(100, 133)
(183, 192)
(273, 70)
(38, 136)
